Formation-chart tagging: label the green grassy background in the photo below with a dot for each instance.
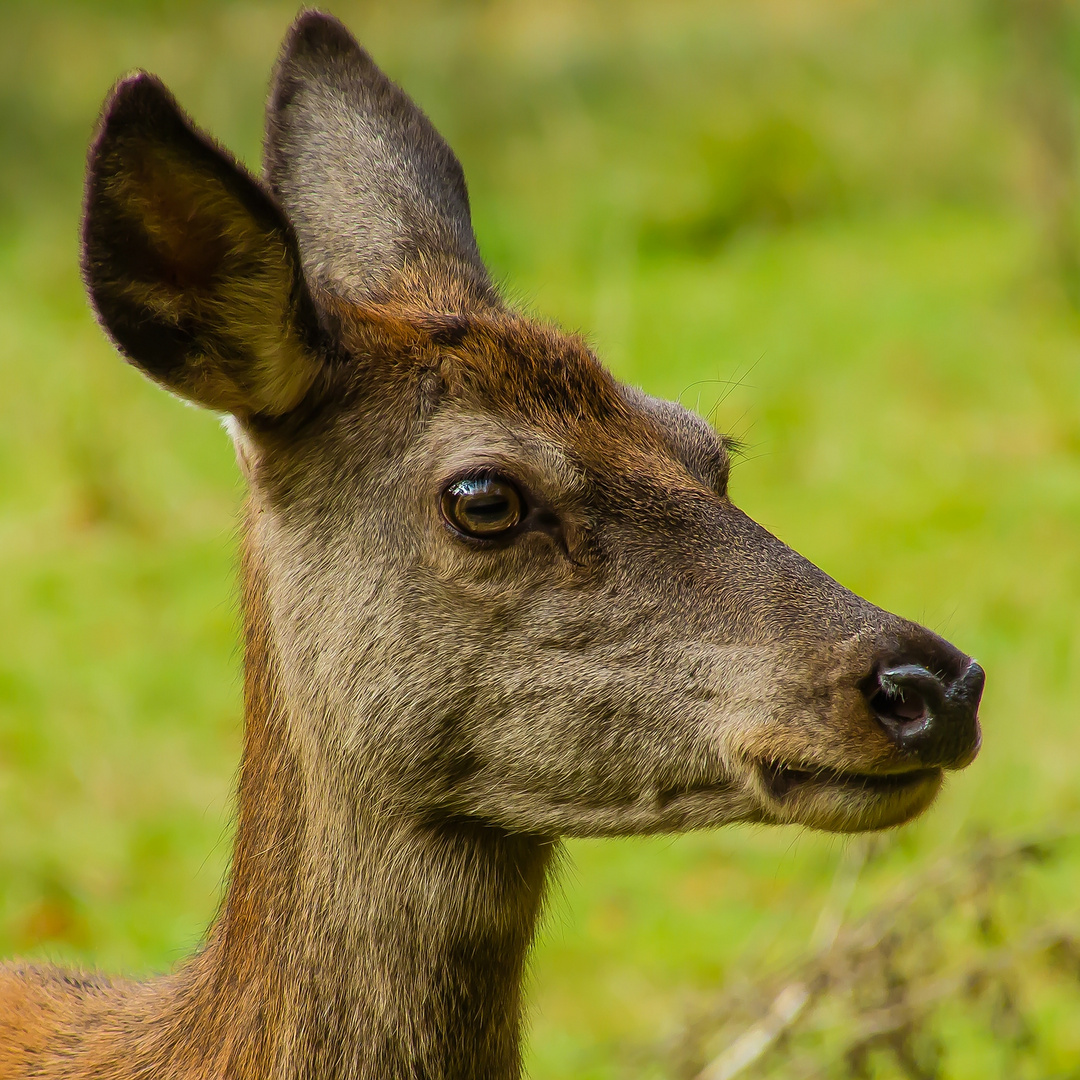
(821, 223)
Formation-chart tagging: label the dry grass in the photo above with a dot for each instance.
(965, 951)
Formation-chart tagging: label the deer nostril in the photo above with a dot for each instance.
(904, 699)
(937, 722)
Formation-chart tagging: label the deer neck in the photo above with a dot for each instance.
(352, 945)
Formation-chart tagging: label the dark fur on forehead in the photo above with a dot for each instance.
(517, 364)
(502, 363)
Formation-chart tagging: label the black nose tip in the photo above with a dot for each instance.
(935, 721)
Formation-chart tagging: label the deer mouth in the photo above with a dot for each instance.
(833, 799)
(780, 780)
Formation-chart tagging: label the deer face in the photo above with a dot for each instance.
(499, 584)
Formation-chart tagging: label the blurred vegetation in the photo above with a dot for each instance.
(962, 970)
(846, 230)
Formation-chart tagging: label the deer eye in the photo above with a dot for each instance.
(482, 506)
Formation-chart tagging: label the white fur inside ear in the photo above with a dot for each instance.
(245, 450)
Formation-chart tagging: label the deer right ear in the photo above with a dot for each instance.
(192, 268)
(373, 190)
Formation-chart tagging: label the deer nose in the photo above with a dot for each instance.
(934, 720)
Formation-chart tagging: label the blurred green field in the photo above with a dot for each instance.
(824, 224)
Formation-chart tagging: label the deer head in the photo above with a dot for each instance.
(498, 584)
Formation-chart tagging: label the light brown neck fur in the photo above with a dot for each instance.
(348, 945)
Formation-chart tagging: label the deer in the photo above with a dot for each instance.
(491, 598)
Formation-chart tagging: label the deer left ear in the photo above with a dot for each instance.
(192, 268)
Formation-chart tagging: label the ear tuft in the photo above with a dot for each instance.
(192, 268)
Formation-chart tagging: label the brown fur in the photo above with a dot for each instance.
(426, 713)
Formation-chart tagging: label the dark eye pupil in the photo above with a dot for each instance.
(482, 506)
(493, 508)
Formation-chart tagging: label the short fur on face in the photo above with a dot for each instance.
(628, 665)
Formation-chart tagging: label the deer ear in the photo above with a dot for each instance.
(370, 185)
(192, 268)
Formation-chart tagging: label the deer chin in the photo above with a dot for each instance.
(836, 801)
